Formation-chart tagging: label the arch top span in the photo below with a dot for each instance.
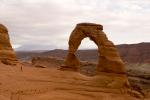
(91, 25)
(109, 58)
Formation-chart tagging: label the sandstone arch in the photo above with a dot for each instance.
(109, 59)
(7, 54)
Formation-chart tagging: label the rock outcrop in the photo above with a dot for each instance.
(7, 55)
(109, 58)
(52, 84)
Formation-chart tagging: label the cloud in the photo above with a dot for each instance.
(50, 22)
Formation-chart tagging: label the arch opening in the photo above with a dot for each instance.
(86, 43)
(88, 54)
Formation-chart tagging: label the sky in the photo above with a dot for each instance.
(48, 23)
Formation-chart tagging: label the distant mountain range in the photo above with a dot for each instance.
(34, 47)
(135, 53)
(130, 53)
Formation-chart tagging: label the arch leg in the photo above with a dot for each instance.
(109, 59)
(71, 61)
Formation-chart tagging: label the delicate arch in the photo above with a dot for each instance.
(109, 59)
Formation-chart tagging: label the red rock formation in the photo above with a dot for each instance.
(109, 59)
(7, 55)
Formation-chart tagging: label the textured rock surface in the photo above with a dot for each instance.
(7, 55)
(138, 75)
(52, 84)
(109, 59)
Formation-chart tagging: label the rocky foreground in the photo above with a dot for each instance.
(29, 83)
(138, 74)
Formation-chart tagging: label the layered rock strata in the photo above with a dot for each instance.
(7, 54)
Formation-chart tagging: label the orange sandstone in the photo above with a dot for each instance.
(109, 58)
(7, 54)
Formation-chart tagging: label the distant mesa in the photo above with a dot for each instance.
(109, 58)
(7, 54)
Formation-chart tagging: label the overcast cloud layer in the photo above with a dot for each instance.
(50, 22)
